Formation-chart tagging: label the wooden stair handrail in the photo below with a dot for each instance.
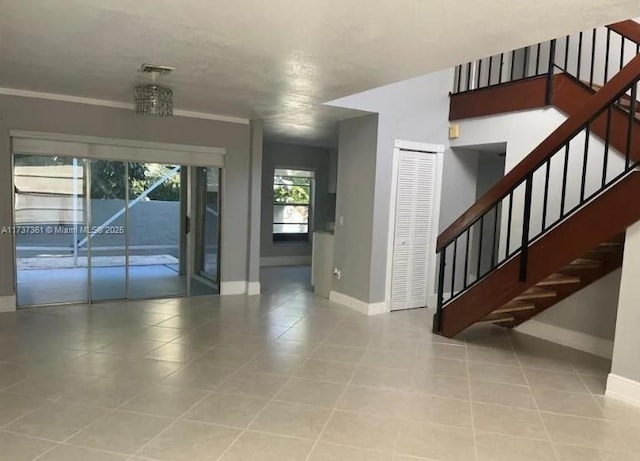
(628, 29)
(548, 147)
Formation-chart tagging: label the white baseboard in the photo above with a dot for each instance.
(7, 303)
(356, 304)
(233, 288)
(623, 389)
(253, 288)
(301, 260)
(570, 338)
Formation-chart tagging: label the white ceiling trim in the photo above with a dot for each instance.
(115, 104)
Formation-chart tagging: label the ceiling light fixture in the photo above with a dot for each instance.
(151, 99)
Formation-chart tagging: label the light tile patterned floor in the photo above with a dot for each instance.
(287, 376)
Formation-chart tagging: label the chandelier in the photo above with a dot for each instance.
(153, 100)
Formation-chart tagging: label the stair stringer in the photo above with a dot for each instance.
(600, 220)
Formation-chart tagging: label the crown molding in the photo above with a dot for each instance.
(115, 104)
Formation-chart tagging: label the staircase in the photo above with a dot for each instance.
(556, 222)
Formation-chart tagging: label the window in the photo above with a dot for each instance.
(291, 205)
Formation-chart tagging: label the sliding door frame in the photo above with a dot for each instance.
(90, 149)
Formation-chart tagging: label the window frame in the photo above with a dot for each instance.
(299, 237)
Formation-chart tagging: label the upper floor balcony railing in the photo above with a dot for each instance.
(591, 57)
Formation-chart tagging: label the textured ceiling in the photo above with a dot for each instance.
(278, 59)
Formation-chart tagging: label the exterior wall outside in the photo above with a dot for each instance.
(278, 155)
(20, 113)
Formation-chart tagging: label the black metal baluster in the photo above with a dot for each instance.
(546, 196)
(480, 245)
(538, 59)
(513, 66)
(593, 57)
(524, 249)
(437, 319)
(632, 118)
(489, 71)
(605, 163)
(466, 259)
(622, 40)
(563, 194)
(579, 56)
(606, 57)
(501, 67)
(459, 70)
(479, 72)
(453, 266)
(566, 53)
(525, 62)
(585, 163)
(495, 237)
(550, 73)
(509, 221)
(468, 76)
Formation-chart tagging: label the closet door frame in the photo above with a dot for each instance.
(425, 149)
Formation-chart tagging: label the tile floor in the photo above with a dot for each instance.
(287, 376)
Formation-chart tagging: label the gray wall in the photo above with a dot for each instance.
(53, 116)
(459, 179)
(278, 155)
(592, 310)
(490, 171)
(416, 110)
(357, 147)
(627, 342)
(255, 201)
(413, 110)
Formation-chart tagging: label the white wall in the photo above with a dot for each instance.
(522, 132)
(412, 110)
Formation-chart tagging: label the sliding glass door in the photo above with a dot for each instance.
(208, 225)
(106, 236)
(97, 230)
(50, 215)
(157, 266)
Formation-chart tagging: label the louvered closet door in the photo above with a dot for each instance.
(414, 208)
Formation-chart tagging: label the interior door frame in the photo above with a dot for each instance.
(427, 149)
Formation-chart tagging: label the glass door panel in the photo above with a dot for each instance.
(50, 210)
(106, 234)
(155, 234)
(211, 221)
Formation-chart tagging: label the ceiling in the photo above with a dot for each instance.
(278, 60)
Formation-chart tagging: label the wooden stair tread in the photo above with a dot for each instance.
(499, 318)
(559, 279)
(583, 263)
(515, 306)
(535, 293)
(609, 246)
